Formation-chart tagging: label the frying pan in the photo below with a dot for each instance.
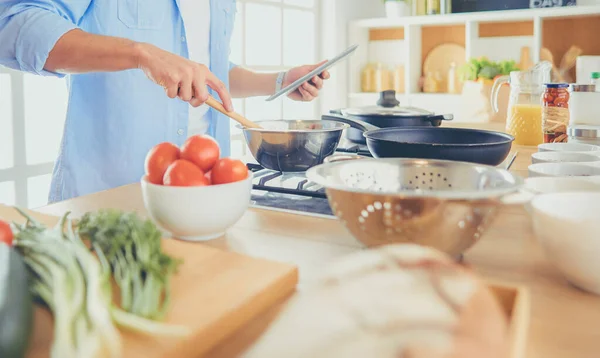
(465, 145)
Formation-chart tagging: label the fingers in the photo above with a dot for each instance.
(306, 96)
(221, 89)
(200, 93)
(325, 75)
(312, 90)
(317, 82)
(185, 89)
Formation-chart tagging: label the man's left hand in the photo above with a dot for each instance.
(308, 90)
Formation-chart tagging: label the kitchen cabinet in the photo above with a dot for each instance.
(498, 35)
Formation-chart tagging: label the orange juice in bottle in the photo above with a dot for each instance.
(524, 122)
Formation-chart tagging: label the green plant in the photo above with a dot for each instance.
(483, 68)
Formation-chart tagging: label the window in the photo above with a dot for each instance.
(32, 115)
(273, 36)
(269, 35)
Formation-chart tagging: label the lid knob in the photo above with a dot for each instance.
(387, 99)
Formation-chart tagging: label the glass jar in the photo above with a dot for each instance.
(584, 105)
(555, 112)
(584, 134)
(524, 112)
(367, 81)
(383, 78)
(431, 83)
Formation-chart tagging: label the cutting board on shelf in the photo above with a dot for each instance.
(214, 294)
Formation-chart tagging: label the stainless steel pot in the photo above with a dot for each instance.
(293, 146)
(388, 113)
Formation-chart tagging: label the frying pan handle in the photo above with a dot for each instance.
(440, 117)
(354, 123)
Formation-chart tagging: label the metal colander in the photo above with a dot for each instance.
(443, 204)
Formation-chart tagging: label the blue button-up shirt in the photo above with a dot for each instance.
(113, 119)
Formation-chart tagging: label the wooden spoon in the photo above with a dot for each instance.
(546, 55)
(245, 122)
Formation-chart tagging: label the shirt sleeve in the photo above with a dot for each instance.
(30, 29)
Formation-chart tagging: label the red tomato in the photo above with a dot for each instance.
(158, 160)
(201, 150)
(184, 173)
(228, 170)
(6, 234)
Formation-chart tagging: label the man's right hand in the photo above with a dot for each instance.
(180, 77)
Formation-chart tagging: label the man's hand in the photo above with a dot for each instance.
(308, 90)
(181, 77)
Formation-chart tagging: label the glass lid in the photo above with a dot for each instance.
(387, 105)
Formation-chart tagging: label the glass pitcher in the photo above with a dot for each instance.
(524, 112)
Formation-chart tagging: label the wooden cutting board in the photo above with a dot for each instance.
(214, 294)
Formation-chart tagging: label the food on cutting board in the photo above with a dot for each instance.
(132, 248)
(75, 284)
(395, 301)
(193, 164)
(16, 304)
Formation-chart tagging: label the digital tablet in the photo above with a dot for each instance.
(317, 71)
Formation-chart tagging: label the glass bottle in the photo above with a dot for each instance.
(596, 80)
(433, 7)
(524, 112)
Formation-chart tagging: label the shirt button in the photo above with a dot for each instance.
(182, 38)
(180, 131)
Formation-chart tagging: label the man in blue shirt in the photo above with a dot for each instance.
(130, 80)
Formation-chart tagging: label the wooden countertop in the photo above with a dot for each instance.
(565, 321)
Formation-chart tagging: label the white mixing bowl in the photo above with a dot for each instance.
(568, 228)
(563, 170)
(563, 157)
(567, 147)
(197, 213)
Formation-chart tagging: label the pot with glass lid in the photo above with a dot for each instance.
(388, 113)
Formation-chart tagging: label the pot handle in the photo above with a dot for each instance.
(441, 117)
(339, 157)
(354, 123)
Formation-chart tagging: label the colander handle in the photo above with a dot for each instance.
(523, 196)
(342, 157)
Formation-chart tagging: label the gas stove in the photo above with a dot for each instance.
(293, 192)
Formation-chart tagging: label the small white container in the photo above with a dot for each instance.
(563, 170)
(584, 134)
(567, 226)
(396, 8)
(584, 105)
(563, 157)
(567, 147)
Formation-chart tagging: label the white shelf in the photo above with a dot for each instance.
(485, 16)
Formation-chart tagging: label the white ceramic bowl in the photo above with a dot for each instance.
(197, 213)
(562, 170)
(568, 228)
(549, 185)
(563, 157)
(567, 147)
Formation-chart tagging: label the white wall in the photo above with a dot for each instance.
(335, 15)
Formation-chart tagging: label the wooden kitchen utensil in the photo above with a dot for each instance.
(546, 55)
(245, 122)
(525, 62)
(439, 60)
(568, 62)
(213, 294)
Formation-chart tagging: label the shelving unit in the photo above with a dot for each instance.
(498, 35)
